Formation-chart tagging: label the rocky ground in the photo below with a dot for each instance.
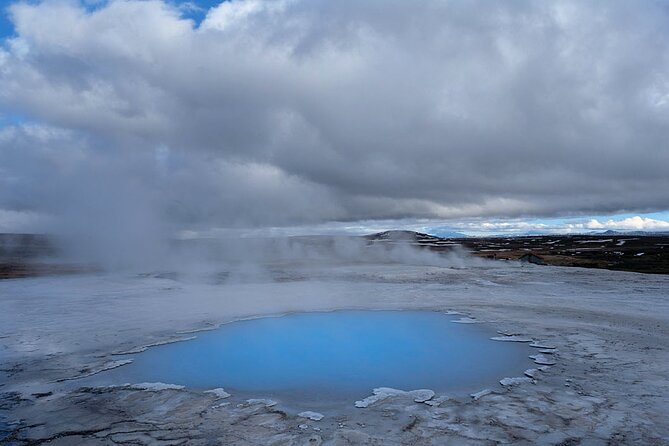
(644, 253)
(609, 330)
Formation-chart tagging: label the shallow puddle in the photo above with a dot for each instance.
(339, 355)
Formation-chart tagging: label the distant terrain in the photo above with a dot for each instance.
(27, 255)
(621, 252)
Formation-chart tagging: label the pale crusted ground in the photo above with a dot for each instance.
(610, 384)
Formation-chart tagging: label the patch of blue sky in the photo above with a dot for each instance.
(8, 119)
(195, 10)
(468, 227)
(6, 25)
(562, 221)
(629, 221)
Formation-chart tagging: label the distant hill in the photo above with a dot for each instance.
(449, 234)
(639, 233)
(418, 239)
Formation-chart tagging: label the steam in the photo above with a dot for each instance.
(236, 259)
(142, 125)
(121, 208)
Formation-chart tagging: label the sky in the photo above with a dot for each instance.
(131, 117)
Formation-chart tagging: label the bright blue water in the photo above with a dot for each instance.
(335, 355)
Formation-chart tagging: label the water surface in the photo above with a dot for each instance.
(339, 355)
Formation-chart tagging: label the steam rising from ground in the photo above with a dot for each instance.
(242, 259)
(135, 124)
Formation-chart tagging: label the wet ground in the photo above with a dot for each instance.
(601, 376)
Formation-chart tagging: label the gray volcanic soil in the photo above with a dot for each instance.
(610, 383)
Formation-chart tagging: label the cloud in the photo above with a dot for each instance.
(631, 223)
(520, 226)
(283, 112)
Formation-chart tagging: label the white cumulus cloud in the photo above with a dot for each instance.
(631, 223)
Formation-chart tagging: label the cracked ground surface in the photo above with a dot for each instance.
(609, 386)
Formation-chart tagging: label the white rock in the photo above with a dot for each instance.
(381, 393)
(542, 360)
(155, 387)
(466, 320)
(314, 416)
(511, 339)
(538, 344)
(422, 395)
(478, 395)
(265, 402)
(531, 373)
(218, 392)
(515, 381)
(436, 401)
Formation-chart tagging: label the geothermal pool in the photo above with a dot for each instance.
(340, 355)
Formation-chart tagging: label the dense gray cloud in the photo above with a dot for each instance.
(299, 111)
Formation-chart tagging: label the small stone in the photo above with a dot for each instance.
(218, 392)
(422, 395)
(548, 351)
(263, 401)
(511, 339)
(435, 402)
(542, 360)
(478, 395)
(531, 373)
(515, 381)
(541, 345)
(314, 416)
